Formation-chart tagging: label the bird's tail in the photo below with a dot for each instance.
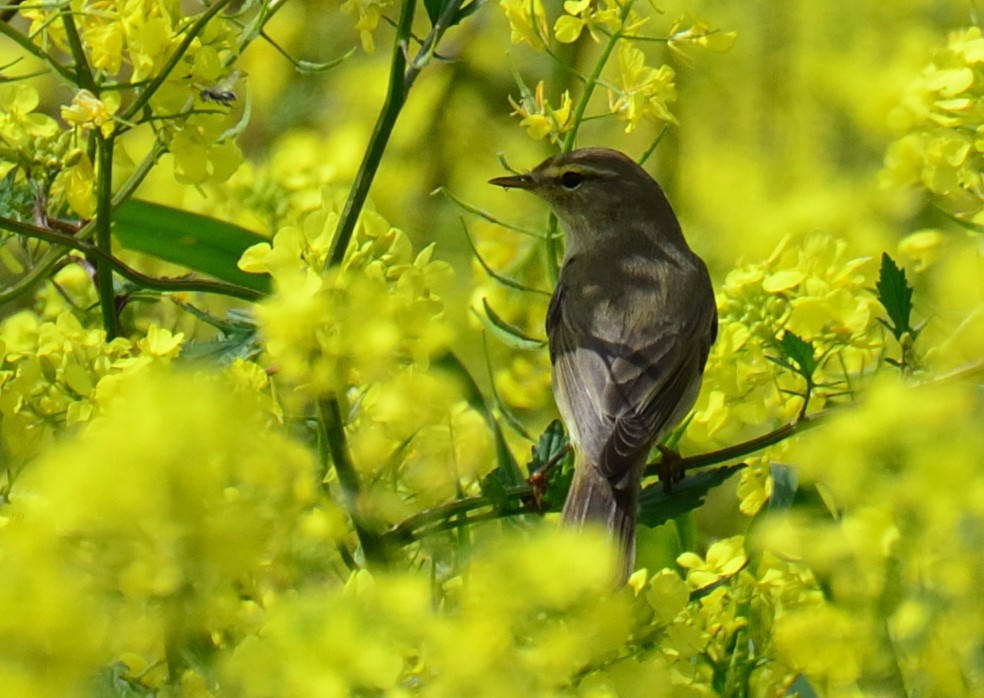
(593, 500)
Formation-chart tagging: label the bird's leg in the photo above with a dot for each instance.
(540, 478)
(670, 471)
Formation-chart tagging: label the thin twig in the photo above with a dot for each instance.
(72, 242)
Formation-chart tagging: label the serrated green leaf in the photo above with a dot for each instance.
(656, 506)
(800, 353)
(199, 243)
(895, 295)
(552, 448)
(508, 333)
(552, 441)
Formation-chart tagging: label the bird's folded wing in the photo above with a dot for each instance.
(623, 395)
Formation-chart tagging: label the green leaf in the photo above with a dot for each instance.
(199, 243)
(551, 443)
(436, 8)
(510, 335)
(895, 295)
(785, 482)
(552, 449)
(799, 354)
(656, 506)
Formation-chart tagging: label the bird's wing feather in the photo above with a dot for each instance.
(622, 378)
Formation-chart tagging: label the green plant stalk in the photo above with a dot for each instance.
(29, 46)
(401, 79)
(73, 242)
(396, 95)
(43, 268)
(334, 446)
(104, 237)
(83, 73)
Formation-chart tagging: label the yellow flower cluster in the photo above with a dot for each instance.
(641, 91)
(31, 143)
(330, 330)
(941, 116)
(899, 552)
(56, 372)
(637, 91)
(814, 289)
(540, 119)
(159, 531)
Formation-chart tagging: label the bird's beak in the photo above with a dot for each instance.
(523, 181)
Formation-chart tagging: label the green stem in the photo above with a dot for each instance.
(334, 447)
(396, 94)
(401, 79)
(25, 43)
(519, 499)
(104, 237)
(73, 242)
(592, 81)
(83, 73)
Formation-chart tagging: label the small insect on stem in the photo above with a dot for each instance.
(221, 93)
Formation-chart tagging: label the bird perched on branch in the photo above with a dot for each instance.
(630, 325)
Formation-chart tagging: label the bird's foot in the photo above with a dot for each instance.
(670, 470)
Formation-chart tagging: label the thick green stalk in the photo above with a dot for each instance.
(104, 237)
(334, 447)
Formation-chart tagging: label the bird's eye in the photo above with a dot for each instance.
(571, 180)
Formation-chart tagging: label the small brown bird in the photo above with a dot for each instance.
(630, 325)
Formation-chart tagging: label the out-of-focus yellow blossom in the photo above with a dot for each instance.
(90, 112)
(529, 617)
(351, 326)
(919, 250)
(897, 560)
(640, 91)
(56, 372)
(368, 13)
(19, 123)
(415, 430)
(148, 533)
(940, 116)
(540, 119)
(202, 152)
(527, 22)
(586, 14)
(76, 182)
